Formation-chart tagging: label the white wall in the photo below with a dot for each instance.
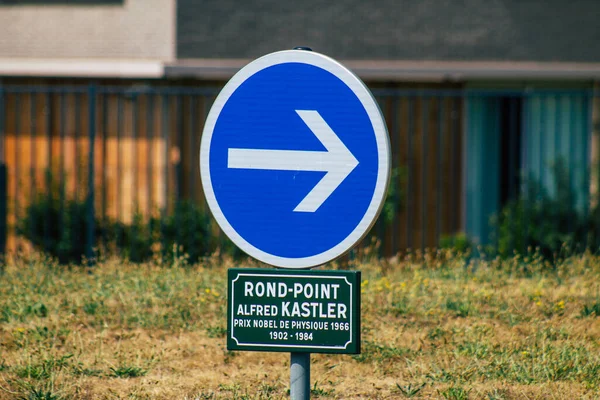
(133, 30)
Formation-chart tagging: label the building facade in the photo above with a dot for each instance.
(479, 96)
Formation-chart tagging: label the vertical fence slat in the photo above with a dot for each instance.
(557, 127)
(558, 166)
(32, 145)
(3, 201)
(595, 163)
(149, 139)
(572, 117)
(90, 237)
(454, 135)
(512, 149)
(395, 140)
(62, 173)
(32, 161)
(179, 180)
(165, 138)
(2, 123)
(587, 155)
(119, 177)
(192, 149)
(512, 146)
(104, 170)
(380, 225)
(571, 144)
(438, 179)
(190, 163)
(424, 194)
(132, 170)
(48, 171)
(3, 177)
(16, 183)
(77, 137)
(409, 180)
(542, 122)
(179, 140)
(527, 160)
(135, 126)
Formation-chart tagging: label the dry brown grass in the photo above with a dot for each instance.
(512, 329)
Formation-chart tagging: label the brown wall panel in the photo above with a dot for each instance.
(147, 154)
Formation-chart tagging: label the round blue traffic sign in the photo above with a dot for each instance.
(294, 159)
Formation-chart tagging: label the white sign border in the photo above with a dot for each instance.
(381, 137)
(299, 346)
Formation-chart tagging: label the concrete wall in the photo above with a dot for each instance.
(134, 29)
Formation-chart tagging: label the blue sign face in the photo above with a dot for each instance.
(295, 159)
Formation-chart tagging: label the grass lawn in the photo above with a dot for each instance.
(437, 327)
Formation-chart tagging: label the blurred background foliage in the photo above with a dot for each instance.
(550, 223)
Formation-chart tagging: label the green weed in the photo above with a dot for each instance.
(92, 307)
(497, 394)
(43, 369)
(235, 390)
(401, 306)
(41, 394)
(267, 390)
(216, 331)
(321, 392)
(441, 375)
(80, 370)
(454, 393)
(459, 307)
(38, 309)
(477, 349)
(377, 352)
(202, 396)
(437, 333)
(410, 390)
(590, 310)
(127, 371)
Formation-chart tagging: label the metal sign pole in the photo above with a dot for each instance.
(300, 376)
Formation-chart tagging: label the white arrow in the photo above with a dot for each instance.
(337, 161)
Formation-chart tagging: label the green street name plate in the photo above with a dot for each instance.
(293, 311)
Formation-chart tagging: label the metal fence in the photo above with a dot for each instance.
(96, 167)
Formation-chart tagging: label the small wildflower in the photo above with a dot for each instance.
(384, 283)
(207, 291)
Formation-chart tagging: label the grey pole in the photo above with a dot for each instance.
(300, 362)
(300, 376)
